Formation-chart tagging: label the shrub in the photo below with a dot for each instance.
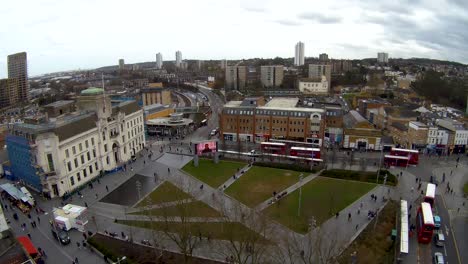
(364, 176)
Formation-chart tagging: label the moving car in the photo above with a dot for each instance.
(438, 258)
(61, 236)
(439, 239)
(437, 221)
(253, 153)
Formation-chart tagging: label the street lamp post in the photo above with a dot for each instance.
(121, 259)
(300, 195)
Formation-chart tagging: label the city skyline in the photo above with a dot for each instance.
(57, 38)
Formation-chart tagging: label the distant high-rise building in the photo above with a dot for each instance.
(18, 69)
(8, 92)
(323, 57)
(382, 57)
(159, 61)
(316, 71)
(235, 78)
(121, 64)
(272, 76)
(178, 58)
(199, 65)
(223, 64)
(299, 54)
(341, 66)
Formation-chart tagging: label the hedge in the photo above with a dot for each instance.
(364, 176)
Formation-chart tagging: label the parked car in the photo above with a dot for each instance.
(254, 153)
(61, 236)
(438, 258)
(437, 221)
(439, 239)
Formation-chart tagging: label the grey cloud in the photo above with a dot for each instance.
(320, 18)
(286, 22)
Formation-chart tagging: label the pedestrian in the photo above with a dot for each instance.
(412, 189)
(86, 204)
(337, 214)
(357, 226)
(123, 235)
(349, 217)
(107, 188)
(83, 243)
(34, 222)
(29, 235)
(375, 198)
(78, 244)
(76, 260)
(451, 172)
(410, 206)
(96, 195)
(43, 253)
(458, 210)
(85, 237)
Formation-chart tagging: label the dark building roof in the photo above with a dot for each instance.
(399, 126)
(351, 119)
(402, 112)
(75, 123)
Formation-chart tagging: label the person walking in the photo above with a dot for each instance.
(76, 260)
(349, 217)
(78, 244)
(38, 219)
(107, 188)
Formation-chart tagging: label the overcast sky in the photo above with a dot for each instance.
(66, 35)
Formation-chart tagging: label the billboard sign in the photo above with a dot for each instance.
(206, 147)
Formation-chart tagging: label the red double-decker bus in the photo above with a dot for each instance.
(399, 161)
(425, 223)
(430, 194)
(273, 148)
(313, 153)
(413, 155)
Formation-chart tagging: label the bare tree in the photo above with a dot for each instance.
(363, 164)
(351, 158)
(173, 219)
(245, 247)
(333, 156)
(317, 246)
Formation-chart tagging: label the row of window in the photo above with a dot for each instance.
(270, 112)
(80, 147)
(84, 173)
(82, 159)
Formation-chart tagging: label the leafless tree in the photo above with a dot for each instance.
(186, 234)
(245, 247)
(363, 164)
(317, 246)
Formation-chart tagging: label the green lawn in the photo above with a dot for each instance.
(215, 230)
(321, 198)
(213, 174)
(166, 192)
(258, 184)
(191, 209)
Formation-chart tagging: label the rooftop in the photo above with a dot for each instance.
(399, 126)
(353, 118)
(59, 103)
(282, 102)
(92, 91)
